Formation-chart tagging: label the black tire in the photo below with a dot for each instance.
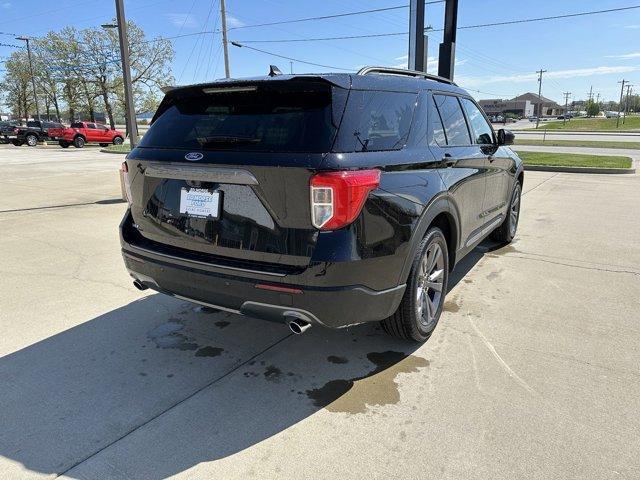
(103, 145)
(31, 139)
(505, 233)
(63, 144)
(118, 140)
(17, 143)
(409, 322)
(78, 142)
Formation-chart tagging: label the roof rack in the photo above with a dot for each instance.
(402, 71)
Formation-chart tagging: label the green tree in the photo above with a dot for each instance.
(16, 85)
(593, 109)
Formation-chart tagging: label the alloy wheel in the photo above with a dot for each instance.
(430, 284)
(32, 140)
(514, 211)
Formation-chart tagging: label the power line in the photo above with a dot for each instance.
(464, 27)
(236, 44)
(326, 17)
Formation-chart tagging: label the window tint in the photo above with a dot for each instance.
(77, 125)
(455, 126)
(438, 129)
(33, 124)
(480, 127)
(296, 117)
(92, 126)
(376, 120)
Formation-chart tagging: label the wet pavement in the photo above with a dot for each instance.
(533, 371)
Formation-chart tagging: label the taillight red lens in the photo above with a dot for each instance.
(337, 197)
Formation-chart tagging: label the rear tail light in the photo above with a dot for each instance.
(337, 197)
(125, 185)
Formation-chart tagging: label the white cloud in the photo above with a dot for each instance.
(233, 22)
(632, 27)
(625, 56)
(431, 62)
(533, 77)
(182, 19)
(402, 57)
(5, 4)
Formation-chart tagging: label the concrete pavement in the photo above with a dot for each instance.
(533, 371)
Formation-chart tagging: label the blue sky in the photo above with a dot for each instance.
(500, 61)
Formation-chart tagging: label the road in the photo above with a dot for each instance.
(531, 373)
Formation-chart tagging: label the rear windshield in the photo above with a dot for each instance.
(291, 117)
(376, 120)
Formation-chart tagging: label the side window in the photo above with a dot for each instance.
(455, 126)
(77, 125)
(438, 129)
(92, 126)
(480, 127)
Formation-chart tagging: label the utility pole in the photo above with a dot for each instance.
(539, 72)
(291, 65)
(626, 103)
(447, 52)
(590, 93)
(620, 103)
(130, 108)
(33, 78)
(225, 46)
(566, 101)
(416, 36)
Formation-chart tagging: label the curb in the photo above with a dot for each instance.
(104, 150)
(548, 168)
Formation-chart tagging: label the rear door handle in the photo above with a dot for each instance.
(448, 160)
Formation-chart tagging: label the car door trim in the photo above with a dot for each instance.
(202, 173)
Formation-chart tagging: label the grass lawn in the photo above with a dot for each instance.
(573, 160)
(124, 148)
(592, 124)
(576, 143)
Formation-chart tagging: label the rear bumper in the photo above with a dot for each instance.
(236, 290)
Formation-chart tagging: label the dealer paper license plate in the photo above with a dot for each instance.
(200, 202)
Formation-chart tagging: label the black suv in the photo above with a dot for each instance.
(330, 199)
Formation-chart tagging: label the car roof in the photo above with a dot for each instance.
(372, 81)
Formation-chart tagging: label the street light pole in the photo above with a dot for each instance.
(33, 78)
(130, 110)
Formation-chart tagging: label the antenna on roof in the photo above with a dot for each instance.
(273, 71)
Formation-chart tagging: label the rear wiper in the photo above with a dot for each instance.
(364, 143)
(232, 139)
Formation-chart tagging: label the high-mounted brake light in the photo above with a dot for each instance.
(337, 197)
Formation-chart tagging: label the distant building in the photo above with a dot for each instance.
(526, 105)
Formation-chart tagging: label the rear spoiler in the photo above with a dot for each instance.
(171, 92)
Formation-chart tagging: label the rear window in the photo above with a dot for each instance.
(376, 120)
(291, 117)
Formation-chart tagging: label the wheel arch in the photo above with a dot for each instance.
(441, 214)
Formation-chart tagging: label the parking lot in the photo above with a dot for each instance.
(533, 371)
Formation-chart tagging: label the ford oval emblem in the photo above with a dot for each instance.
(193, 156)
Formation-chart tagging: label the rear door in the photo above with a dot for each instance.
(498, 164)
(225, 171)
(92, 132)
(464, 164)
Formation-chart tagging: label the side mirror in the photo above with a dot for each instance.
(505, 137)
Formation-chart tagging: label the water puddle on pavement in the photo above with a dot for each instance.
(376, 388)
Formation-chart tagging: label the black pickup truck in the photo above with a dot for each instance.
(35, 131)
(8, 130)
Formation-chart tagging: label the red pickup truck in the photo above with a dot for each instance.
(81, 133)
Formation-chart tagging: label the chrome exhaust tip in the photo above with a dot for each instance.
(139, 285)
(298, 326)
